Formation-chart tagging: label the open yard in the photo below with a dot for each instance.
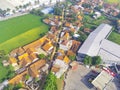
(115, 37)
(19, 31)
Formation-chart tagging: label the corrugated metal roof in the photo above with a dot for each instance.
(109, 50)
(91, 45)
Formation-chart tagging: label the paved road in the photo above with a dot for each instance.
(12, 16)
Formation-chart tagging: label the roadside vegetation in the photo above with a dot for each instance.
(50, 83)
(5, 72)
(96, 60)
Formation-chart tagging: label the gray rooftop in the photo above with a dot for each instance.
(91, 45)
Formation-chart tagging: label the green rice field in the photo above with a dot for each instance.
(20, 30)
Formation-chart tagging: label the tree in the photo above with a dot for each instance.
(87, 60)
(86, 5)
(2, 53)
(8, 9)
(41, 56)
(118, 16)
(72, 57)
(96, 60)
(36, 12)
(50, 83)
(57, 10)
(82, 37)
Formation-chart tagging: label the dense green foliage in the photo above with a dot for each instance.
(87, 60)
(13, 87)
(72, 57)
(5, 72)
(96, 60)
(82, 37)
(115, 37)
(50, 83)
(41, 56)
(57, 10)
(36, 12)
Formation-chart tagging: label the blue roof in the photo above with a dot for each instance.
(47, 10)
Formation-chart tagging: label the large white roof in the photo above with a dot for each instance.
(109, 51)
(92, 44)
(102, 80)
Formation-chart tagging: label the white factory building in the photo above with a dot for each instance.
(97, 45)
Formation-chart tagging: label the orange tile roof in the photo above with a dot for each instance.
(67, 24)
(17, 78)
(87, 30)
(61, 51)
(72, 29)
(25, 61)
(30, 50)
(47, 46)
(75, 46)
(18, 51)
(37, 65)
(33, 56)
(12, 60)
(36, 43)
(80, 17)
(55, 69)
(66, 60)
(22, 56)
(69, 53)
(61, 57)
(47, 21)
(33, 71)
(66, 35)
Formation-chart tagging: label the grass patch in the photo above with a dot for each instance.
(60, 83)
(115, 37)
(18, 25)
(20, 30)
(112, 1)
(23, 38)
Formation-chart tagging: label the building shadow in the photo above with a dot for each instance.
(87, 79)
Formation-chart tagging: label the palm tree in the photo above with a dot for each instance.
(8, 9)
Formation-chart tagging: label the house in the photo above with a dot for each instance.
(96, 15)
(70, 52)
(13, 61)
(75, 46)
(36, 44)
(18, 78)
(34, 69)
(17, 52)
(53, 29)
(67, 24)
(65, 36)
(64, 58)
(59, 67)
(87, 30)
(47, 10)
(80, 17)
(65, 44)
(48, 47)
(5, 63)
(47, 21)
